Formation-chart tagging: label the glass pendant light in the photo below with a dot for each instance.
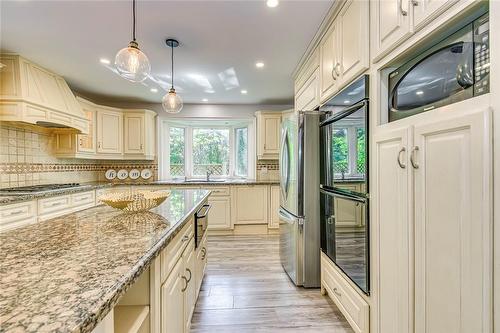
(172, 103)
(131, 63)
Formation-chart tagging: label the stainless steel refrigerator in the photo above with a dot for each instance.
(299, 198)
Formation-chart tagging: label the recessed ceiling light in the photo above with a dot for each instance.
(154, 90)
(244, 92)
(205, 100)
(347, 101)
(419, 92)
(272, 3)
(259, 64)
(105, 61)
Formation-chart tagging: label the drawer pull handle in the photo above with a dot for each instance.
(187, 282)
(15, 212)
(55, 204)
(203, 253)
(401, 164)
(335, 290)
(190, 275)
(185, 238)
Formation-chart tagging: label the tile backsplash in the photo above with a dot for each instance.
(27, 158)
(268, 170)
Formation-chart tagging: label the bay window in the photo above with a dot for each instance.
(222, 148)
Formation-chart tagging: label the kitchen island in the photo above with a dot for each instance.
(66, 274)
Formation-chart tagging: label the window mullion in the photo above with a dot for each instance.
(188, 151)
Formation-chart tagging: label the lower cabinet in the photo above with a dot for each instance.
(220, 213)
(250, 204)
(355, 309)
(274, 208)
(184, 267)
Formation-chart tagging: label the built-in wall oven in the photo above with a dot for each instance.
(344, 188)
(456, 68)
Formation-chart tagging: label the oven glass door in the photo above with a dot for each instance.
(344, 235)
(344, 151)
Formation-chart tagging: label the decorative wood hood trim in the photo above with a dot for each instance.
(31, 94)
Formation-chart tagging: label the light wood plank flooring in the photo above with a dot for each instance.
(246, 290)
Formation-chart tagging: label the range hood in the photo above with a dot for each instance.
(31, 94)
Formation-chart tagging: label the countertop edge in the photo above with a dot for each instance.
(111, 299)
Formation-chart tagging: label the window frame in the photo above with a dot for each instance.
(164, 146)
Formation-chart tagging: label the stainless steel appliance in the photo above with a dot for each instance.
(455, 69)
(299, 199)
(344, 188)
(200, 224)
(40, 188)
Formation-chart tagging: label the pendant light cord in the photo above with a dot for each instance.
(172, 47)
(133, 20)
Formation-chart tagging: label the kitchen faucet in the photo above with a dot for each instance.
(209, 173)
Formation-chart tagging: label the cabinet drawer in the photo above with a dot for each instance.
(83, 199)
(218, 191)
(174, 249)
(16, 215)
(350, 303)
(55, 206)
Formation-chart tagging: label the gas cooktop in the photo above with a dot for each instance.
(38, 188)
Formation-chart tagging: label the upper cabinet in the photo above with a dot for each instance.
(31, 94)
(268, 134)
(344, 49)
(307, 85)
(393, 21)
(109, 131)
(113, 134)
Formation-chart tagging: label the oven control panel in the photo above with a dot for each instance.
(482, 56)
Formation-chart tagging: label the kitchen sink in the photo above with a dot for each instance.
(205, 181)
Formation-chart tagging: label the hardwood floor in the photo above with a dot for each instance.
(246, 290)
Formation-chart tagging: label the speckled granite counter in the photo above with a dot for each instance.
(9, 199)
(65, 274)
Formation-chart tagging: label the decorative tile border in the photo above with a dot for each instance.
(23, 168)
(270, 165)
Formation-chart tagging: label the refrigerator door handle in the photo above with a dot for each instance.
(285, 162)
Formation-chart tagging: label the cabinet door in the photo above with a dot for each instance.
(426, 10)
(250, 203)
(219, 216)
(329, 62)
(189, 258)
(271, 134)
(391, 21)
(353, 24)
(172, 301)
(109, 132)
(392, 232)
(274, 217)
(134, 133)
(452, 161)
(307, 97)
(87, 143)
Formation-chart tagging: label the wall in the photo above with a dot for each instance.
(27, 158)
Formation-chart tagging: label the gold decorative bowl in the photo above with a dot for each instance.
(138, 201)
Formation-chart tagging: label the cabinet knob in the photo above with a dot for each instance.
(414, 3)
(335, 290)
(99, 144)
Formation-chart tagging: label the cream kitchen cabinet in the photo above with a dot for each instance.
(432, 205)
(109, 131)
(344, 50)
(139, 134)
(354, 43)
(307, 85)
(268, 134)
(426, 10)
(113, 134)
(220, 213)
(17, 215)
(274, 207)
(329, 66)
(172, 300)
(250, 204)
(390, 23)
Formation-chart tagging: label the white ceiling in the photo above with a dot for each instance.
(217, 38)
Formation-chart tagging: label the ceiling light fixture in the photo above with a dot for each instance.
(131, 63)
(272, 3)
(104, 61)
(244, 92)
(259, 64)
(154, 90)
(172, 103)
(205, 100)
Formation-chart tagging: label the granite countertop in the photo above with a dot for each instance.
(65, 274)
(9, 199)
